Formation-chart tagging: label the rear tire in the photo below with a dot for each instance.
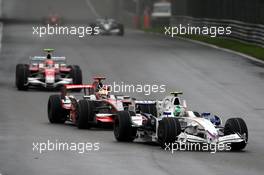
(122, 30)
(85, 114)
(123, 130)
(236, 125)
(22, 74)
(56, 113)
(76, 75)
(168, 131)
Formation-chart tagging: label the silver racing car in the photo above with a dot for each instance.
(109, 27)
(168, 121)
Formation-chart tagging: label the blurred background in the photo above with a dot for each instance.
(244, 16)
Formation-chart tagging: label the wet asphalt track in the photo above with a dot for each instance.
(212, 80)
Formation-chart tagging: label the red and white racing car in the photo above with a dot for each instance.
(48, 72)
(92, 106)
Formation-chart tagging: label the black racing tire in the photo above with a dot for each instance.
(76, 75)
(121, 30)
(148, 108)
(123, 130)
(236, 125)
(22, 74)
(85, 114)
(56, 113)
(168, 131)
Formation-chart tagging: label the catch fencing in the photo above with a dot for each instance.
(246, 17)
(248, 32)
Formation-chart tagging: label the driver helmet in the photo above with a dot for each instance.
(49, 63)
(103, 92)
(98, 85)
(177, 111)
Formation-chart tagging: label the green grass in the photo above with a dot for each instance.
(246, 48)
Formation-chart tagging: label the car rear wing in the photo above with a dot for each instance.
(99, 78)
(87, 89)
(40, 59)
(176, 93)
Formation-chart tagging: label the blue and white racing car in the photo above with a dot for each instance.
(169, 121)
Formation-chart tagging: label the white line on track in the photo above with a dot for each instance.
(1, 33)
(1, 25)
(90, 5)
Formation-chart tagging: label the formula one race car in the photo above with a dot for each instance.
(168, 121)
(109, 27)
(93, 106)
(48, 72)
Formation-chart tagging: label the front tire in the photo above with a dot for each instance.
(22, 74)
(56, 113)
(123, 130)
(85, 114)
(236, 125)
(168, 131)
(76, 75)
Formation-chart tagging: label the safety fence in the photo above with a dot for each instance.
(248, 32)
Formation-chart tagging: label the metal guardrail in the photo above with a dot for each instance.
(1, 25)
(248, 32)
